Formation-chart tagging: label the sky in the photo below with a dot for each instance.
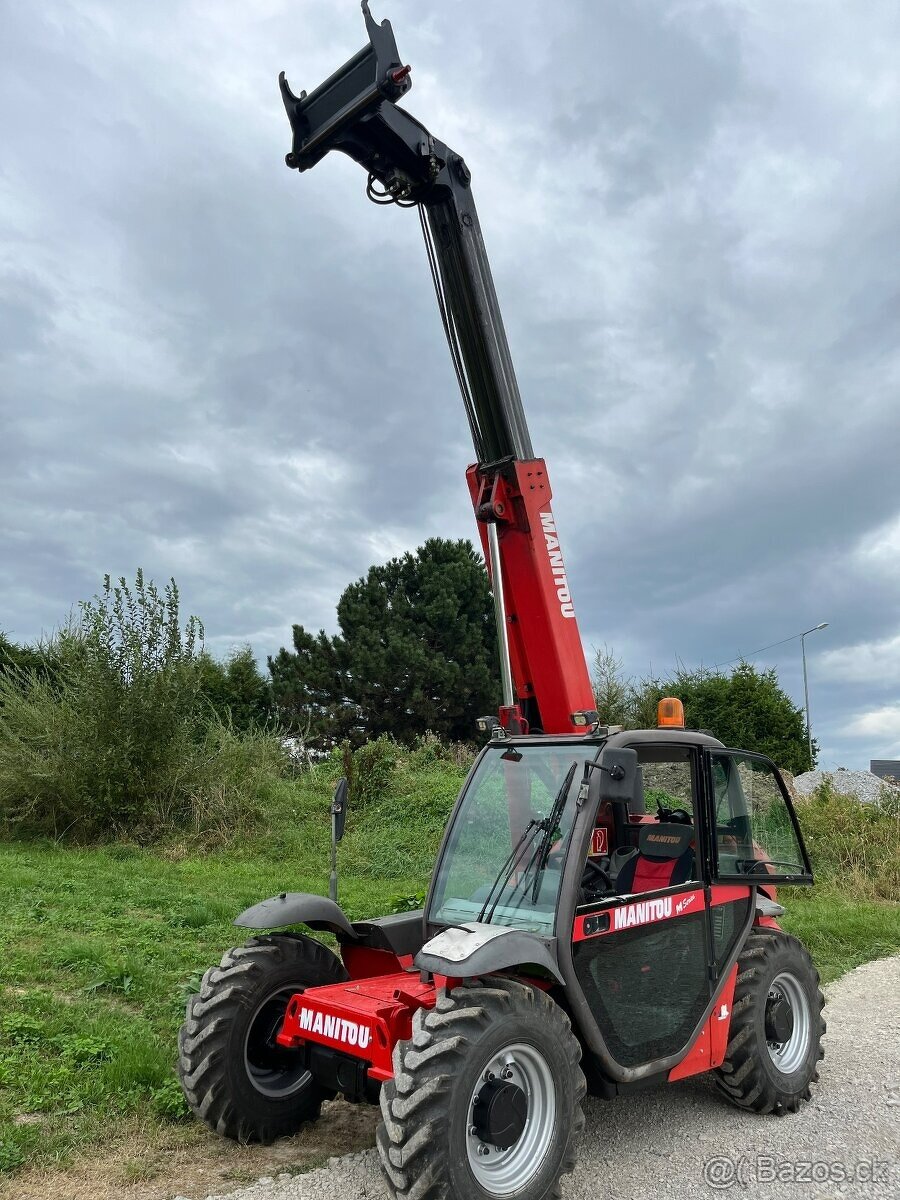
(220, 370)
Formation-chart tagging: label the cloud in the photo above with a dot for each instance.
(213, 367)
(881, 724)
(870, 663)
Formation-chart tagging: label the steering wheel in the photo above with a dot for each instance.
(591, 874)
(677, 816)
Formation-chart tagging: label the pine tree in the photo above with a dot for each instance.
(415, 652)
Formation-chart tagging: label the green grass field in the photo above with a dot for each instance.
(100, 947)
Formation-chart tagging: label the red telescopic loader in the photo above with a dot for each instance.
(571, 940)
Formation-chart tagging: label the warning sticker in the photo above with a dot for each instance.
(600, 840)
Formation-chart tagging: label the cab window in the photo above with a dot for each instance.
(756, 833)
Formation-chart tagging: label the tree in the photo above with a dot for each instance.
(237, 691)
(613, 692)
(745, 708)
(416, 651)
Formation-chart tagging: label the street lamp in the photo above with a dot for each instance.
(803, 637)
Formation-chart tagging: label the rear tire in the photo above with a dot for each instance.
(235, 1077)
(445, 1121)
(774, 1043)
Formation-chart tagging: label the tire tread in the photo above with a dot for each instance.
(411, 1137)
(204, 1057)
(742, 1077)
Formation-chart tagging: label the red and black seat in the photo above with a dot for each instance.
(664, 859)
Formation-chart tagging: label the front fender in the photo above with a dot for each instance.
(296, 908)
(477, 948)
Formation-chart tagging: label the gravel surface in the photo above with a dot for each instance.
(684, 1141)
(865, 786)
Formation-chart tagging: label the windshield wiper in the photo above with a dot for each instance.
(549, 825)
(509, 868)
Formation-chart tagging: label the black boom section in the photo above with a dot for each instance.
(355, 111)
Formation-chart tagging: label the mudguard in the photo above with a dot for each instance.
(296, 908)
(476, 948)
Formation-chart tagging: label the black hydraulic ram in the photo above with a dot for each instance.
(355, 110)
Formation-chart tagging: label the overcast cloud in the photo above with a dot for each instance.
(217, 369)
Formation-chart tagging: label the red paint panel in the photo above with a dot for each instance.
(638, 912)
(720, 1020)
(696, 1059)
(546, 653)
(726, 893)
(364, 1019)
(363, 962)
(708, 1049)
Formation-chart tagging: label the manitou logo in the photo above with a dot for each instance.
(335, 1028)
(557, 566)
(642, 913)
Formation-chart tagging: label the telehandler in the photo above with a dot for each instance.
(571, 939)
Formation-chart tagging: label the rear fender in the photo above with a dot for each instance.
(296, 908)
(476, 948)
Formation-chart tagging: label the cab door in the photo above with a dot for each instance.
(757, 839)
(642, 958)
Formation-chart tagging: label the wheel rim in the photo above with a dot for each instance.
(789, 1055)
(503, 1171)
(274, 1071)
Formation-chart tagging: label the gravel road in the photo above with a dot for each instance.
(683, 1141)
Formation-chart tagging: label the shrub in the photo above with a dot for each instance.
(429, 750)
(120, 741)
(374, 766)
(855, 845)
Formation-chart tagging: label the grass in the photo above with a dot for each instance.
(99, 947)
(839, 931)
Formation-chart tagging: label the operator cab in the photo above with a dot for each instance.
(508, 840)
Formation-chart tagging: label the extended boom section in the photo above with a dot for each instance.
(355, 111)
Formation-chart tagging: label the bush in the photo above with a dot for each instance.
(854, 845)
(119, 741)
(744, 708)
(429, 750)
(374, 766)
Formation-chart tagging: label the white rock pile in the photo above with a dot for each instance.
(862, 785)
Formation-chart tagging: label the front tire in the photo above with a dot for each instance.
(485, 1099)
(774, 1043)
(235, 1076)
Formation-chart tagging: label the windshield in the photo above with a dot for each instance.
(503, 862)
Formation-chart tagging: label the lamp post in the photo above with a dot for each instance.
(803, 637)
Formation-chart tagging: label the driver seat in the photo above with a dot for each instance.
(664, 859)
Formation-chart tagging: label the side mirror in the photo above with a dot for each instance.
(339, 809)
(615, 774)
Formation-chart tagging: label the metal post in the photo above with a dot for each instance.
(332, 881)
(806, 696)
(506, 677)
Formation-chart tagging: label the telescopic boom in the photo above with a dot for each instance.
(545, 678)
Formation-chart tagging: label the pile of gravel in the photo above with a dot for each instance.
(862, 785)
